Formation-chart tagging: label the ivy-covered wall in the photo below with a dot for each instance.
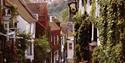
(111, 26)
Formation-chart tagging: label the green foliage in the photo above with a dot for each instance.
(78, 52)
(108, 54)
(13, 10)
(111, 28)
(24, 40)
(82, 29)
(64, 14)
(41, 49)
(93, 9)
(22, 45)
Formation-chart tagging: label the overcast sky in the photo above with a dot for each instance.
(56, 6)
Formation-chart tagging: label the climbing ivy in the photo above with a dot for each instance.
(82, 29)
(111, 26)
(22, 45)
(42, 48)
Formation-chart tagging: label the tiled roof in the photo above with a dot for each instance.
(53, 26)
(27, 1)
(43, 9)
(64, 27)
(34, 7)
(40, 8)
(22, 9)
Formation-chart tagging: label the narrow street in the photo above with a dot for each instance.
(62, 31)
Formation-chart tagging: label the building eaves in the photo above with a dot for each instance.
(22, 9)
(53, 26)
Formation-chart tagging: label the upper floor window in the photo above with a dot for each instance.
(70, 45)
(54, 38)
(51, 38)
(7, 12)
(29, 50)
(6, 25)
(57, 39)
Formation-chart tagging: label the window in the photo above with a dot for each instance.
(29, 50)
(51, 38)
(7, 12)
(57, 39)
(70, 45)
(6, 25)
(54, 39)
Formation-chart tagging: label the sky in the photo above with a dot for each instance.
(56, 6)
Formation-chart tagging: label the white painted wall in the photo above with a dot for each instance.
(70, 52)
(22, 25)
(33, 28)
(97, 9)
(25, 27)
(88, 7)
(81, 8)
(97, 15)
(56, 56)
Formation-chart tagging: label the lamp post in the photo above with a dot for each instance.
(6, 20)
(10, 37)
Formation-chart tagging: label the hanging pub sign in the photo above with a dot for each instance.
(73, 7)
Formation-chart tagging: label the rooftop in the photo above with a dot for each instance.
(53, 26)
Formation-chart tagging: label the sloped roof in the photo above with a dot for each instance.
(34, 7)
(27, 1)
(40, 8)
(44, 9)
(22, 9)
(64, 27)
(53, 26)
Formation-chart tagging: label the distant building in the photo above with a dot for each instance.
(54, 40)
(42, 10)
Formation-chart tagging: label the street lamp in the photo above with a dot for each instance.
(6, 20)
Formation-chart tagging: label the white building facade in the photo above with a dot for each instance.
(28, 28)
